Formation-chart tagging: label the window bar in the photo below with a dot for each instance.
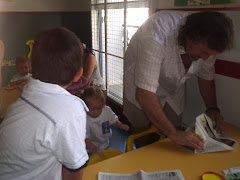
(108, 53)
(106, 49)
(100, 60)
(125, 28)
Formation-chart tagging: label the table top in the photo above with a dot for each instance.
(8, 97)
(165, 155)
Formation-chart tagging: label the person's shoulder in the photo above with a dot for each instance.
(52, 94)
(167, 21)
(76, 103)
(90, 60)
(89, 57)
(171, 13)
(66, 108)
(106, 111)
(26, 76)
(107, 108)
(169, 17)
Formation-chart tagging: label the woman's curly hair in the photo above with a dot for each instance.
(212, 28)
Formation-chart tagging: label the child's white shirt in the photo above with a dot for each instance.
(98, 129)
(17, 77)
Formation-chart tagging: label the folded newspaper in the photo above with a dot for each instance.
(141, 175)
(213, 141)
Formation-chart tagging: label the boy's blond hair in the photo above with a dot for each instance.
(94, 93)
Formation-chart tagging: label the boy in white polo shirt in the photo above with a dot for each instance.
(43, 133)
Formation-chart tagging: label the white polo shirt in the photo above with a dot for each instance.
(153, 61)
(34, 144)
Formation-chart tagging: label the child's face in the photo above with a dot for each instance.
(95, 107)
(23, 69)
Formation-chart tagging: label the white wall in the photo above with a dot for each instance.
(228, 89)
(44, 5)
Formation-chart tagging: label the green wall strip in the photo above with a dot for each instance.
(184, 2)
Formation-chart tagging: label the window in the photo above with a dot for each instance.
(114, 22)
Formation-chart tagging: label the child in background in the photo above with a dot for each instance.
(22, 65)
(99, 119)
(43, 133)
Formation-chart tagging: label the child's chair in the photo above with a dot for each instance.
(108, 153)
(131, 138)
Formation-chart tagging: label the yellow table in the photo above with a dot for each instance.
(8, 97)
(165, 155)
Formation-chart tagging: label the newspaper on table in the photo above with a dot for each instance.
(232, 173)
(141, 175)
(213, 141)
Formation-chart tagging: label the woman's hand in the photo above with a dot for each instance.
(216, 116)
(187, 139)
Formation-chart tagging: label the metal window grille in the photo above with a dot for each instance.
(113, 24)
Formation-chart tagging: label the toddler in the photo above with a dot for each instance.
(23, 72)
(99, 119)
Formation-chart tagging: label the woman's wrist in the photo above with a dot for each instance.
(209, 109)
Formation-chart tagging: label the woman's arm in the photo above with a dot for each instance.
(153, 109)
(208, 93)
(90, 64)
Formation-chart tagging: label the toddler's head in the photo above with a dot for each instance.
(22, 65)
(95, 101)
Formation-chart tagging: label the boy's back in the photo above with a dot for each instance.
(40, 132)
